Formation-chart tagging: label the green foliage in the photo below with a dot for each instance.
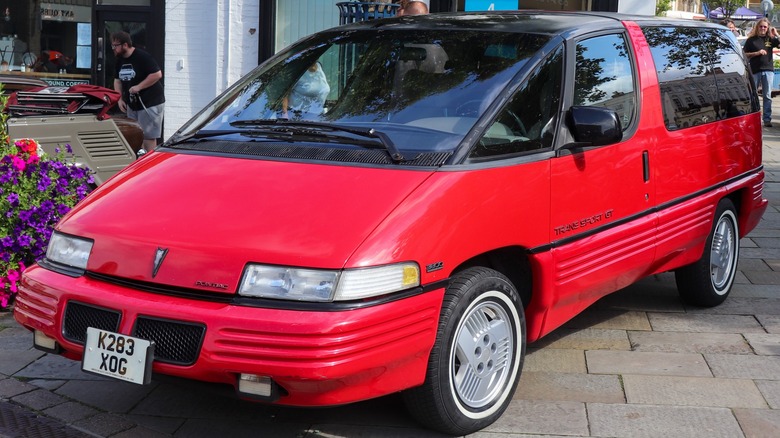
(662, 6)
(728, 6)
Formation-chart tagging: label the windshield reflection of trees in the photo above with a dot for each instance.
(476, 63)
(368, 90)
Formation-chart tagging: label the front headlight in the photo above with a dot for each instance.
(69, 250)
(298, 284)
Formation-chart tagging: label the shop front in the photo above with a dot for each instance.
(66, 42)
(47, 40)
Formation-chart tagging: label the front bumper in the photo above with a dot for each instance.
(318, 358)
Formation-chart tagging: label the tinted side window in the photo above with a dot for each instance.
(528, 122)
(702, 76)
(735, 97)
(605, 76)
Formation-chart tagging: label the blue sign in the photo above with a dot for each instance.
(491, 5)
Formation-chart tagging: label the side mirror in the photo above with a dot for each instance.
(594, 126)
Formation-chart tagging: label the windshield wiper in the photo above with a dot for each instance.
(384, 139)
(197, 135)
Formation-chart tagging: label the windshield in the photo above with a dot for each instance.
(422, 90)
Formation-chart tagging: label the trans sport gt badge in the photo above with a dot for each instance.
(159, 256)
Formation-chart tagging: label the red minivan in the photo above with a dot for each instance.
(402, 204)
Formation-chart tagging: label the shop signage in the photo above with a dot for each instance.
(55, 82)
(490, 5)
(56, 12)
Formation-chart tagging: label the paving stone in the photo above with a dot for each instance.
(39, 399)
(692, 391)
(48, 384)
(542, 417)
(51, 366)
(742, 306)
(159, 424)
(704, 323)
(555, 360)
(740, 279)
(482, 434)
(760, 253)
(639, 421)
(11, 362)
(105, 424)
(15, 339)
(585, 339)
(741, 366)
(759, 423)
(767, 242)
(637, 362)
(683, 342)
(754, 290)
(10, 387)
(764, 232)
(70, 411)
(349, 430)
(610, 319)
(764, 344)
(536, 385)
(771, 323)
(193, 400)
(242, 428)
(141, 432)
(753, 265)
(771, 391)
(111, 396)
(773, 264)
(763, 277)
(747, 243)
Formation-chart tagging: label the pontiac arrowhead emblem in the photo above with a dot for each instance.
(159, 256)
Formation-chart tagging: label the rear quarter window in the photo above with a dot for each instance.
(702, 76)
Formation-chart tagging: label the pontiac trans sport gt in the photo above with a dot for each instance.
(403, 204)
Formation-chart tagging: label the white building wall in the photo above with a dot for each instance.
(636, 7)
(209, 44)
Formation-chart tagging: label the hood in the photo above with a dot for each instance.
(213, 215)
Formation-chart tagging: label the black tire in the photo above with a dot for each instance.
(484, 302)
(708, 281)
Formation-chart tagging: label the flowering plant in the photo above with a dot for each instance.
(36, 190)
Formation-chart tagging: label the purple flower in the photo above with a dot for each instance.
(38, 192)
(44, 183)
(68, 148)
(24, 240)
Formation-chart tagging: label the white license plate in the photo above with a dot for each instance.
(119, 356)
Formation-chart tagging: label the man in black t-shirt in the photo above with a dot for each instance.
(758, 49)
(138, 79)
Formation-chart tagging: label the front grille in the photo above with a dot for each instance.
(79, 316)
(174, 341)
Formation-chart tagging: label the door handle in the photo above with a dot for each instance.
(646, 165)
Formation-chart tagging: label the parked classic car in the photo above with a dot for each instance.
(56, 116)
(469, 183)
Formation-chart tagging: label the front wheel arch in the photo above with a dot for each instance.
(477, 357)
